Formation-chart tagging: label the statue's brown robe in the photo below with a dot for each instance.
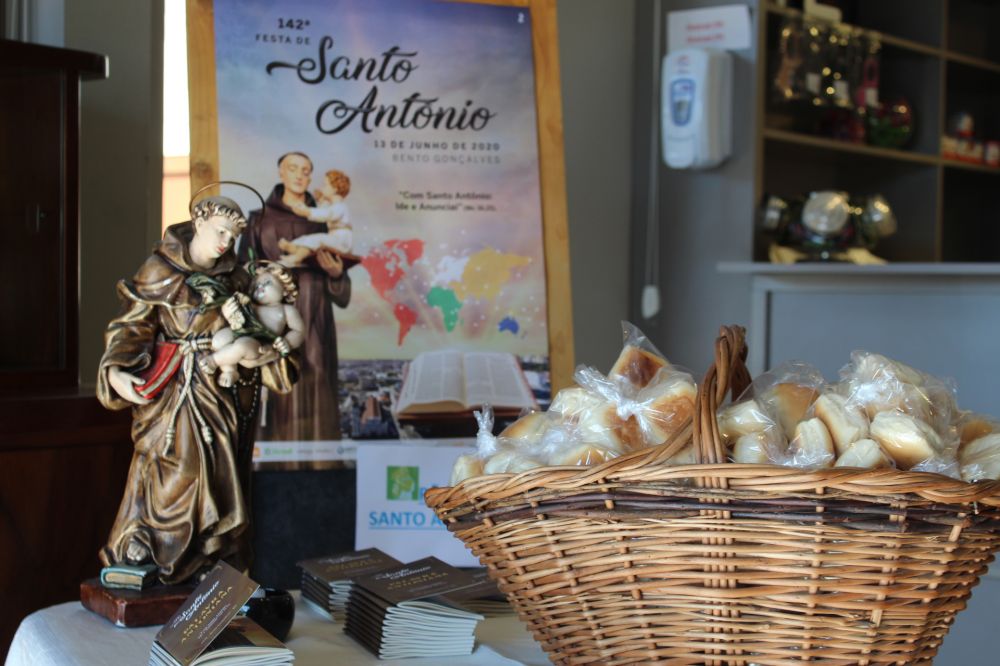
(312, 410)
(187, 503)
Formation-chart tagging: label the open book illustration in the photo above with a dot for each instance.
(456, 381)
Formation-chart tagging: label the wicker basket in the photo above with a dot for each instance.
(636, 562)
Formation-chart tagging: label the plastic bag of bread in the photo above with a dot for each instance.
(912, 414)
(514, 450)
(639, 361)
(638, 418)
(772, 421)
(787, 392)
(979, 447)
(879, 384)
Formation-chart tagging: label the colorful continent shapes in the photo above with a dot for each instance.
(387, 265)
(509, 324)
(486, 272)
(445, 300)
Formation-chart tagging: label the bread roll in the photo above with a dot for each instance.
(869, 367)
(528, 429)
(789, 403)
(583, 454)
(637, 366)
(905, 439)
(980, 458)
(972, 427)
(743, 418)
(880, 384)
(846, 422)
(683, 457)
(666, 408)
(812, 446)
(601, 426)
(571, 403)
(509, 461)
(865, 453)
(752, 448)
(466, 467)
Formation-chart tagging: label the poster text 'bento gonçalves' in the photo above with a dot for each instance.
(391, 66)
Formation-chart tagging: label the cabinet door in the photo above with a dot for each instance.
(33, 261)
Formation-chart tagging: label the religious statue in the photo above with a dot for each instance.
(186, 502)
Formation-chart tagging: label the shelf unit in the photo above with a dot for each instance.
(936, 53)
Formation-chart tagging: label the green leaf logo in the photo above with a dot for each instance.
(402, 483)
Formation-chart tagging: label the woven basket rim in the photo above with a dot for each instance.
(773, 479)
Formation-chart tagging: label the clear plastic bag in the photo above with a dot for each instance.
(864, 453)
(772, 423)
(639, 361)
(811, 446)
(646, 417)
(979, 447)
(787, 392)
(909, 441)
(979, 458)
(878, 384)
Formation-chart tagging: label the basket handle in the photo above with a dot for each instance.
(728, 373)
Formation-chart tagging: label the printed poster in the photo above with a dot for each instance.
(391, 514)
(396, 144)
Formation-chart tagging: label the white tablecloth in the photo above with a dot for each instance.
(70, 635)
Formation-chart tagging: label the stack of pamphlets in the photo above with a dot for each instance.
(484, 597)
(205, 630)
(405, 611)
(327, 581)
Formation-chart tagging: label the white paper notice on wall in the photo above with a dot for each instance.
(391, 514)
(726, 27)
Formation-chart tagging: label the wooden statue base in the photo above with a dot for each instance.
(132, 608)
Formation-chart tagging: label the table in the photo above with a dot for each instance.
(70, 635)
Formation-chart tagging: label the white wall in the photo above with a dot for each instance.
(596, 51)
(120, 155)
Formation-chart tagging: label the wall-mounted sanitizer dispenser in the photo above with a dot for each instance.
(697, 108)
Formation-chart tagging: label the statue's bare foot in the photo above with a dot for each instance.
(228, 377)
(136, 552)
(207, 364)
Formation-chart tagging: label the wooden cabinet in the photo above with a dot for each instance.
(63, 458)
(39, 212)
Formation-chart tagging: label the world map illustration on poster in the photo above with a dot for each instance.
(415, 158)
(456, 279)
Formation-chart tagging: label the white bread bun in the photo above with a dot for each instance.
(751, 448)
(812, 445)
(880, 384)
(583, 454)
(846, 422)
(683, 457)
(666, 408)
(602, 427)
(865, 453)
(743, 418)
(980, 458)
(869, 367)
(509, 461)
(571, 403)
(466, 467)
(905, 439)
(637, 366)
(527, 430)
(789, 403)
(971, 428)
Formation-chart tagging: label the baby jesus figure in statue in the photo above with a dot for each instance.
(267, 316)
